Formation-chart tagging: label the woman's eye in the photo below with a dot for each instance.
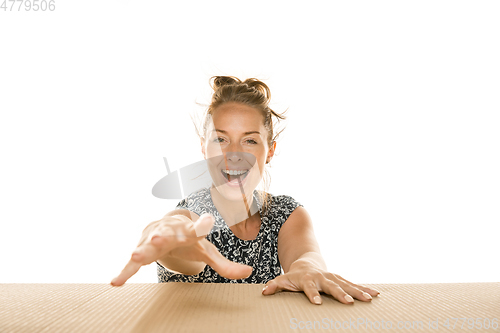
(248, 141)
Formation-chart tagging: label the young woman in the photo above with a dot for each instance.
(230, 232)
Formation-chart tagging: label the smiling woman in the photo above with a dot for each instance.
(230, 232)
(241, 102)
(240, 141)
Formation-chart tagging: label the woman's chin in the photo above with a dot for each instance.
(231, 193)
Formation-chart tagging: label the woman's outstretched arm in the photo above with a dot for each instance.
(179, 243)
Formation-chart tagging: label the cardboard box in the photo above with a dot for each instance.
(179, 307)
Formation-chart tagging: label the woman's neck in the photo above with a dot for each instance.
(233, 212)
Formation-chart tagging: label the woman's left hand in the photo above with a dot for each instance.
(302, 276)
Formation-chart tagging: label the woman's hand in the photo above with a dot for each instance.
(178, 237)
(303, 276)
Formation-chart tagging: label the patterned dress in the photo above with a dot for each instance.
(261, 253)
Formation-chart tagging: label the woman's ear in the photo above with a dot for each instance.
(270, 154)
(203, 148)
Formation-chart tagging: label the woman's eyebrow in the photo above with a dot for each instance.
(246, 133)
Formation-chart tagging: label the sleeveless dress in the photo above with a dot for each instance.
(260, 253)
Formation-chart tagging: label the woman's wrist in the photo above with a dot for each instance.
(309, 260)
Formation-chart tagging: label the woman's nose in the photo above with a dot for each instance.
(234, 152)
(234, 156)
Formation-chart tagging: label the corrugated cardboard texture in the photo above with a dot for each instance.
(178, 307)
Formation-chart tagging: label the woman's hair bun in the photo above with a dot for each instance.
(259, 86)
(249, 84)
(220, 81)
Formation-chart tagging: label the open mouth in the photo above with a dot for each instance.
(233, 176)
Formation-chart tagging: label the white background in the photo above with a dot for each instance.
(392, 140)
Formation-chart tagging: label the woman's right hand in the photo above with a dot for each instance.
(178, 237)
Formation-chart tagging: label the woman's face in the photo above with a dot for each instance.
(236, 149)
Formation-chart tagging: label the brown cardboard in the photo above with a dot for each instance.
(178, 307)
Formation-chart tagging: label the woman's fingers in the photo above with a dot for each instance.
(370, 291)
(343, 290)
(143, 255)
(330, 287)
(279, 283)
(313, 284)
(204, 225)
(163, 237)
(211, 255)
(181, 231)
(356, 293)
(311, 290)
(128, 271)
(310, 286)
(223, 266)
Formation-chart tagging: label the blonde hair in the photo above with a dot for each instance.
(253, 93)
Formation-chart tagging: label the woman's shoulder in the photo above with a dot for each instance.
(279, 203)
(196, 200)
